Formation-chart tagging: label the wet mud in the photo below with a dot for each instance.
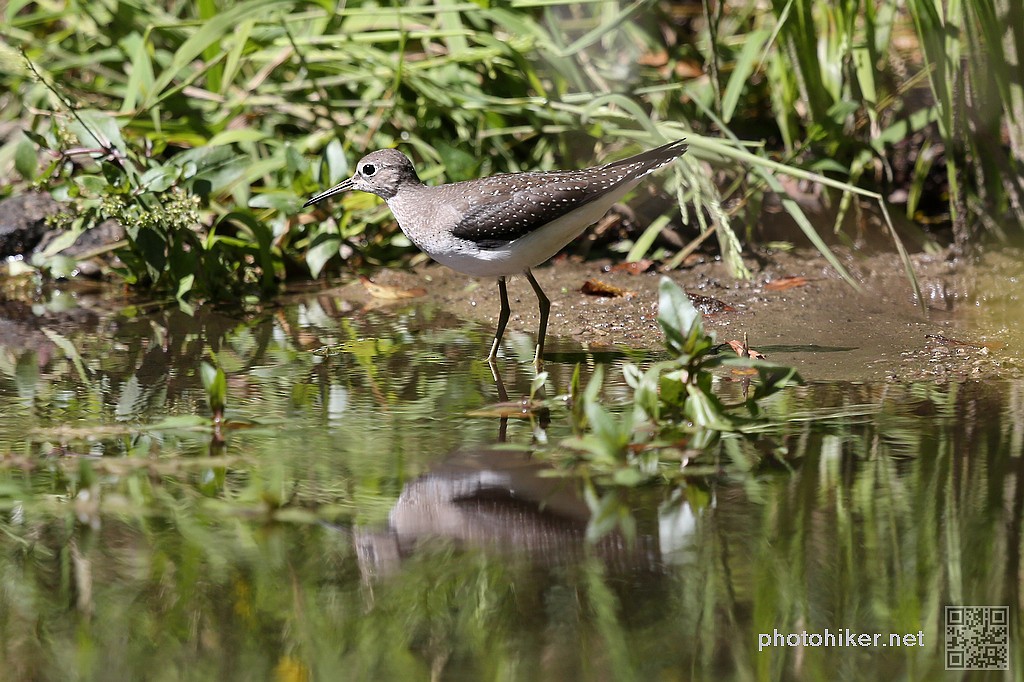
(795, 310)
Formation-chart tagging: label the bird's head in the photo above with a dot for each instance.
(382, 172)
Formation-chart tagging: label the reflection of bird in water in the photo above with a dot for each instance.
(498, 500)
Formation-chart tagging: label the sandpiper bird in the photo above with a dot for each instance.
(501, 225)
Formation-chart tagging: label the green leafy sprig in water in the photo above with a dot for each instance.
(675, 414)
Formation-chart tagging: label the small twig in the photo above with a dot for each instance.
(106, 145)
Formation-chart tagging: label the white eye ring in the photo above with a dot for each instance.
(369, 169)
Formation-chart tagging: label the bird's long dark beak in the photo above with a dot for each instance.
(343, 186)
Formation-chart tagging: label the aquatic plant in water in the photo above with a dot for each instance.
(674, 417)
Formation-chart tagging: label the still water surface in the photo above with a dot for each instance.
(358, 518)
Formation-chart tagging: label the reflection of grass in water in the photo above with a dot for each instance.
(867, 532)
(860, 506)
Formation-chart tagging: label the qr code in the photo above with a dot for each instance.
(977, 638)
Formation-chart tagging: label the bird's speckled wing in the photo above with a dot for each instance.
(503, 208)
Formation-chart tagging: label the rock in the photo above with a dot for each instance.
(23, 222)
(107, 232)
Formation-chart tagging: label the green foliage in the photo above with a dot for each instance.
(846, 95)
(216, 387)
(970, 49)
(204, 126)
(673, 403)
(101, 176)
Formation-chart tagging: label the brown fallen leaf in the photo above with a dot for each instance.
(390, 293)
(784, 283)
(687, 68)
(743, 350)
(659, 58)
(737, 347)
(634, 268)
(595, 287)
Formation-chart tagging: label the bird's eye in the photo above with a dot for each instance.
(369, 169)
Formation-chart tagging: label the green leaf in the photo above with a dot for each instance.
(628, 477)
(240, 39)
(25, 160)
(842, 110)
(59, 243)
(185, 285)
(537, 383)
(774, 378)
(284, 201)
(646, 240)
(153, 249)
(704, 409)
(211, 31)
(92, 184)
(97, 129)
(672, 390)
(603, 513)
(337, 163)
(458, 163)
(38, 139)
(648, 396)
(159, 178)
(676, 316)
(211, 170)
(216, 386)
(576, 400)
(237, 135)
(62, 266)
(323, 248)
(264, 239)
(609, 436)
(295, 162)
(140, 82)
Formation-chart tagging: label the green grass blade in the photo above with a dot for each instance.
(646, 240)
(212, 31)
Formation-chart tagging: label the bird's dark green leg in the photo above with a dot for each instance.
(502, 319)
(545, 305)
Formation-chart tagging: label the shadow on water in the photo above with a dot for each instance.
(357, 522)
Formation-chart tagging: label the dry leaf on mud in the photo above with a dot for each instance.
(784, 283)
(634, 268)
(743, 351)
(595, 287)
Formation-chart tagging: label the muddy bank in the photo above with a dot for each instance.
(795, 310)
(967, 329)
